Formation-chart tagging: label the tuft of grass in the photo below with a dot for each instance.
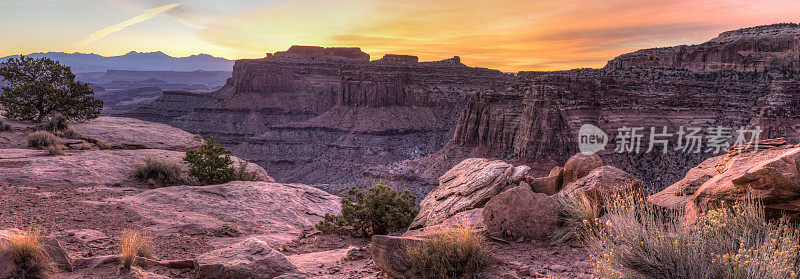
(103, 145)
(456, 251)
(42, 139)
(736, 241)
(55, 150)
(133, 244)
(158, 171)
(198, 138)
(576, 214)
(27, 250)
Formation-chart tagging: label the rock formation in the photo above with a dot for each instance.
(521, 214)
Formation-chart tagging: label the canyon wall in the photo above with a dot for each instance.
(748, 49)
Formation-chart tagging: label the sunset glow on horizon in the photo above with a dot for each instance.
(504, 35)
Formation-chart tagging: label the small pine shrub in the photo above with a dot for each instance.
(133, 244)
(453, 252)
(42, 139)
(209, 164)
(156, 171)
(380, 211)
(102, 145)
(730, 241)
(243, 175)
(55, 150)
(28, 253)
(576, 214)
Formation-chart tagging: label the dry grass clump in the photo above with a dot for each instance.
(453, 252)
(84, 146)
(133, 244)
(576, 214)
(156, 171)
(243, 175)
(27, 250)
(730, 241)
(42, 139)
(55, 150)
(103, 145)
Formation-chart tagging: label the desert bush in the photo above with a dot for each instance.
(156, 171)
(380, 211)
(209, 164)
(55, 124)
(452, 252)
(576, 215)
(243, 175)
(730, 241)
(103, 145)
(133, 244)
(42, 139)
(55, 150)
(27, 251)
(4, 126)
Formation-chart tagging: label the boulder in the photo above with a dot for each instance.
(84, 167)
(472, 218)
(129, 133)
(677, 195)
(277, 212)
(603, 183)
(8, 269)
(520, 213)
(388, 253)
(469, 184)
(771, 175)
(52, 247)
(579, 166)
(549, 184)
(251, 258)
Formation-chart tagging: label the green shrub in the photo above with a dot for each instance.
(209, 164)
(42, 139)
(452, 252)
(576, 214)
(155, 171)
(243, 175)
(736, 241)
(380, 211)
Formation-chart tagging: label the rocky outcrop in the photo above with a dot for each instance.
(520, 214)
(550, 184)
(579, 166)
(388, 253)
(129, 133)
(747, 49)
(772, 175)
(84, 168)
(251, 258)
(468, 185)
(276, 212)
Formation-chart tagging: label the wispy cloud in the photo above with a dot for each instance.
(148, 14)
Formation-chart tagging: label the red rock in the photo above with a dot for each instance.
(605, 182)
(549, 184)
(579, 166)
(251, 258)
(519, 213)
(388, 253)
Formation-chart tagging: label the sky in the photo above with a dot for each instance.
(499, 34)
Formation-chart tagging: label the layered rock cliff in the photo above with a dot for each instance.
(748, 49)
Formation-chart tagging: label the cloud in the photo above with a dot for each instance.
(148, 14)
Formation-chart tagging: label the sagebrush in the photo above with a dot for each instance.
(451, 252)
(576, 214)
(380, 211)
(638, 240)
(42, 139)
(156, 171)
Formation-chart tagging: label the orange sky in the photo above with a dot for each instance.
(505, 35)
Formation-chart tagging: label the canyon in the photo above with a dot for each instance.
(331, 118)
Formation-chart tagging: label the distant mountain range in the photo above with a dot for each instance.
(138, 61)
